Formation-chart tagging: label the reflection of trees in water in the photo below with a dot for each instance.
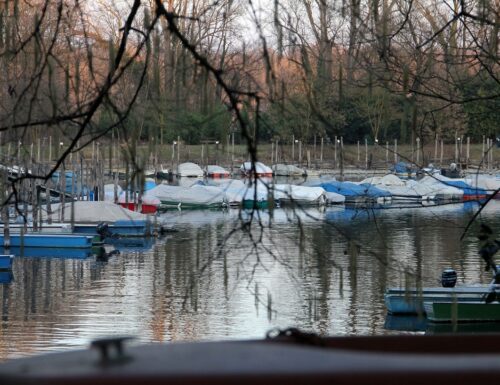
(197, 283)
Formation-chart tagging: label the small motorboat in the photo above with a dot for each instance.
(213, 171)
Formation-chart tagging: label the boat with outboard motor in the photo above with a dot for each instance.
(413, 300)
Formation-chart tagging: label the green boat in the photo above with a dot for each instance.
(479, 311)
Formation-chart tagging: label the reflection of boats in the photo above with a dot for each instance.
(415, 323)
(410, 323)
(460, 311)
(6, 277)
(290, 358)
(131, 244)
(6, 261)
(50, 252)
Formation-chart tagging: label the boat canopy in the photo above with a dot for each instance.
(197, 195)
(260, 168)
(299, 194)
(288, 170)
(189, 169)
(92, 212)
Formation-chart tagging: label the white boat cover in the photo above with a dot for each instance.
(288, 170)
(428, 188)
(196, 195)
(260, 168)
(189, 169)
(386, 180)
(213, 169)
(488, 182)
(440, 190)
(146, 199)
(234, 189)
(299, 194)
(109, 192)
(93, 212)
(258, 192)
(333, 197)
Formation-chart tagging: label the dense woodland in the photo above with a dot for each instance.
(199, 70)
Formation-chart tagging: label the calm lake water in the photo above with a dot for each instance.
(220, 278)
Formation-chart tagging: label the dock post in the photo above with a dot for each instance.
(395, 151)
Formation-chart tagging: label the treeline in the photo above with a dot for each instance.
(202, 70)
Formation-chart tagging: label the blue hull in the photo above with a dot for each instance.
(118, 228)
(6, 262)
(49, 240)
(131, 244)
(6, 277)
(50, 252)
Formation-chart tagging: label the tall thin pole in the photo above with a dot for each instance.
(468, 152)
(435, 147)
(441, 155)
(366, 153)
(321, 153)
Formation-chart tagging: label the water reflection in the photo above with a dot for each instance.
(231, 274)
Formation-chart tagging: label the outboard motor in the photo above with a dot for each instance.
(103, 230)
(448, 278)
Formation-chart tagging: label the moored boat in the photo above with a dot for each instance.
(258, 169)
(6, 261)
(147, 205)
(411, 301)
(49, 240)
(301, 195)
(288, 170)
(460, 311)
(190, 170)
(188, 197)
(213, 171)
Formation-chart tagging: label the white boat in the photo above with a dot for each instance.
(490, 183)
(428, 188)
(234, 189)
(213, 171)
(149, 204)
(191, 170)
(91, 212)
(334, 198)
(440, 190)
(261, 170)
(303, 195)
(188, 197)
(288, 170)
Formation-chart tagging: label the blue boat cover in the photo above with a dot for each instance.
(402, 168)
(349, 189)
(467, 188)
